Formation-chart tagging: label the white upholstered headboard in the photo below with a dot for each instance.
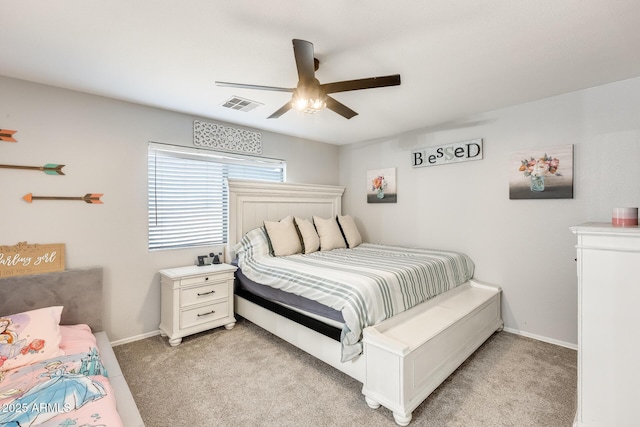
(253, 202)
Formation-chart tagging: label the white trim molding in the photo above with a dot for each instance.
(135, 338)
(541, 338)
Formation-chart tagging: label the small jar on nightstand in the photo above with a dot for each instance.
(195, 299)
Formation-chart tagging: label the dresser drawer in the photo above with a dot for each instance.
(200, 294)
(199, 315)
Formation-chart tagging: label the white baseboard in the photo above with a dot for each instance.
(135, 338)
(543, 339)
(510, 330)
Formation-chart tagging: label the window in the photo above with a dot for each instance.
(188, 203)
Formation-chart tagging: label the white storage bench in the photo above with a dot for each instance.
(410, 355)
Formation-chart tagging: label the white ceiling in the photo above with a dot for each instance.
(456, 58)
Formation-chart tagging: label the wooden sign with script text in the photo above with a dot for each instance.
(26, 258)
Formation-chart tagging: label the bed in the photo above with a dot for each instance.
(399, 360)
(58, 367)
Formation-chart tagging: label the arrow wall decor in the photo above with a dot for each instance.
(49, 168)
(7, 135)
(88, 198)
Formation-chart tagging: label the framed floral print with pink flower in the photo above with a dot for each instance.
(542, 173)
(381, 186)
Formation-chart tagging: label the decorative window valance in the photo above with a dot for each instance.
(226, 138)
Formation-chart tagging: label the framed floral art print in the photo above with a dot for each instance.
(381, 184)
(542, 173)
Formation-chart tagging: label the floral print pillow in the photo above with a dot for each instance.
(29, 337)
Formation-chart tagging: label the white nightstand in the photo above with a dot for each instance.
(194, 299)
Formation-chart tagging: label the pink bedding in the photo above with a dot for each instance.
(67, 390)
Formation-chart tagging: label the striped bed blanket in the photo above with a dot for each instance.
(368, 283)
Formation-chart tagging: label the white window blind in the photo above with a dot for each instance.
(188, 203)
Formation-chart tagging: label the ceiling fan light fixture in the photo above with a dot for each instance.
(309, 105)
(310, 102)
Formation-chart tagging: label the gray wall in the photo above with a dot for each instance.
(525, 246)
(103, 143)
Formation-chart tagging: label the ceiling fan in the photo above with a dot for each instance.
(310, 95)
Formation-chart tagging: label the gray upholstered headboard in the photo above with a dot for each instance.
(78, 290)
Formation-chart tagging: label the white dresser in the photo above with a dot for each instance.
(194, 299)
(608, 325)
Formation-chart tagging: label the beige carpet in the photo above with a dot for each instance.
(248, 377)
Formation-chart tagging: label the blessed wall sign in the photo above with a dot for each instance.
(25, 258)
(449, 153)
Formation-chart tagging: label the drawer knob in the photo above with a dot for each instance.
(206, 293)
(206, 314)
(206, 278)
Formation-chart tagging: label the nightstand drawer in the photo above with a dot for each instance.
(211, 278)
(200, 294)
(204, 314)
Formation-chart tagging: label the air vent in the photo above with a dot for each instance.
(241, 104)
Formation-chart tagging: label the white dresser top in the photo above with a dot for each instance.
(604, 227)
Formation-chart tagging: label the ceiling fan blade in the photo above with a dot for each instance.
(340, 108)
(369, 83)
(246, 86)
(303, 52)
(286, 107)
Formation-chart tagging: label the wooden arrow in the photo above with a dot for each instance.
(49, 168)
(89, 198)
(7, 135)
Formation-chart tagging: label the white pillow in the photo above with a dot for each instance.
(329, 233)
(253, 244)
(283, 237)
(350, 230)
(310, 239)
